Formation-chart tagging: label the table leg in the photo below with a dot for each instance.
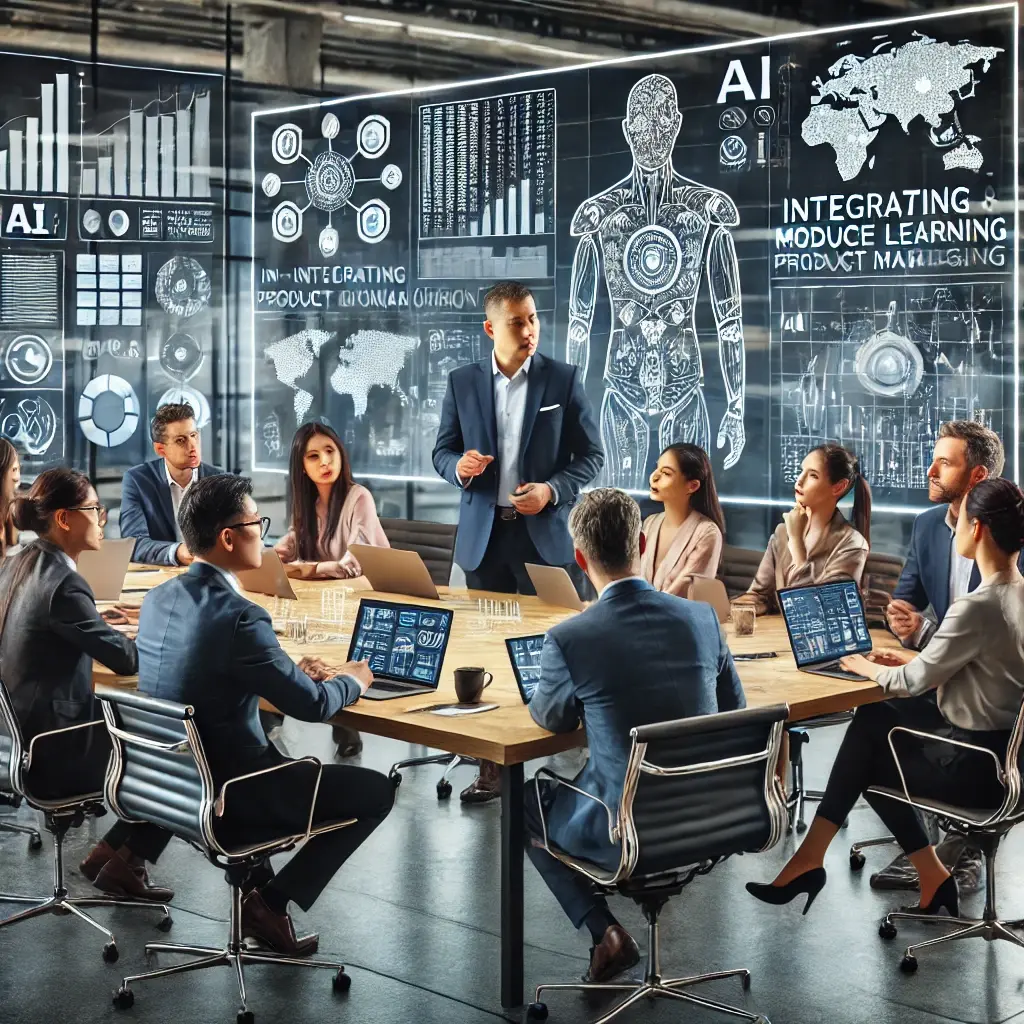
(512, 829)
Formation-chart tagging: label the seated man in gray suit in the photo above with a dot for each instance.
(636, 656)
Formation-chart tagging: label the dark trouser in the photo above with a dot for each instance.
(503, 567)
(277, 804)
(575, 893)
(932, 770)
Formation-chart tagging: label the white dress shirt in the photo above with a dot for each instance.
(509, 410)
(177, 493)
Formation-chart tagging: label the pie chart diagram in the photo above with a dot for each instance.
(108, 410)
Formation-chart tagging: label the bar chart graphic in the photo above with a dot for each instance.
(160, 150)
(34, 147)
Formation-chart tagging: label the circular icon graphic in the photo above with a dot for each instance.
(271, 184)
(652, 259)
(330, 126)
(733, 152)
(374, 135)
(329, 241)
(764, 117)
(108, 410)
(31, 423)
(889, 364)
(286, 143)
(330, 181)
(28, 359)
(121, 348)
(373, 220)
(286, 223)
(181, 357)
(118, 222)
(188, 396)
(182, 286)
(391, 176)
(92, 221)
(732, 119)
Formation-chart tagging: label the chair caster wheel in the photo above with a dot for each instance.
(124, 998)
(887, 930)
(110, 953)
(745, 981)
(537, 1011)
(35, 842)
(245, 1017)
(908, 965)
(341, 982)
(857, 861)
(165, 924)
(396, 779)
(801, 827)
(444, 790)
(846, 823)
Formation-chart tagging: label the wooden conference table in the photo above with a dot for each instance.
(508, 735)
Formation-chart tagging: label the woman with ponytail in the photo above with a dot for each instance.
(10, 478)
(814, 543)
(50, 632)
(975, 664)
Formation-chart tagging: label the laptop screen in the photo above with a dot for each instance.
(524, 653)
(401, 641)
(825, 622)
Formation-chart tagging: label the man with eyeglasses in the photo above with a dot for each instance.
(151, 493)
(202, 643)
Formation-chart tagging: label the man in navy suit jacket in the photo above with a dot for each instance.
(635, 657)
(518, 437)
(151, 493)
(201, 642)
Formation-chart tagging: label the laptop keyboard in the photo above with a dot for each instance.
(383, 684)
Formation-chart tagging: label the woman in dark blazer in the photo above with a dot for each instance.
(50, 632)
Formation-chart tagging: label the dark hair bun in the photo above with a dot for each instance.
(998, 503)
(24, 513)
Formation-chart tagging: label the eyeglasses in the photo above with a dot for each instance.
(101, 512)
(263, 523)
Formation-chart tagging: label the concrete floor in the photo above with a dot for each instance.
(414, 916)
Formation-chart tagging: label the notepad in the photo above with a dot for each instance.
(454, 710)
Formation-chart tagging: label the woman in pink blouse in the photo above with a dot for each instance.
(329, 511)
(684, 542)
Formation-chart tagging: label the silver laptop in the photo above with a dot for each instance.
(404, 644)
(825, 622)
(270, 578)
(105, 570)
(391, 571)
(554, 586)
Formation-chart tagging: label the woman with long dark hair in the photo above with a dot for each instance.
(50, 632)
(10, 479)
(814, 543)
(684, 542)
(975, 664)
(329, 511)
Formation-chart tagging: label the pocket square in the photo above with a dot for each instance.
(548, 408)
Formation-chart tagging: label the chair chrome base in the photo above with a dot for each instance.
(653, 986)
(444, 787)
(235, 954)
(35, 841)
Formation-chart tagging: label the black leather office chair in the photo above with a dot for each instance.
(737, 568)
(696, 791)
(433, 542)
(60, 815)
(159, 773)
(985, 828)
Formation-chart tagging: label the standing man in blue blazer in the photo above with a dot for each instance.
(933, 578)
(518, 438)
(635, 657)
(151, 493)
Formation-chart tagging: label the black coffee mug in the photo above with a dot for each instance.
(470, 683)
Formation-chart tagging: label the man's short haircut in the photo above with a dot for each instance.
(506, 291)
(165, 416)
(605, 526)
(983, 445)
(208, 506)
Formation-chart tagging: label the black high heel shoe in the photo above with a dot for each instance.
(947, 897)
(810, 882)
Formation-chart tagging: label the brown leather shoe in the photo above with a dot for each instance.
(96, 858)
(119, 879)
(274, 930)
(615, 953)
(486, 786)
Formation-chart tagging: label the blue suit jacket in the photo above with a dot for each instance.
(560, 446)
(202, 643)
(147, 512)
(925, 577)
(635, 657)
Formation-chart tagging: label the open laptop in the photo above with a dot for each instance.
(825, 622)
(391, 571)
(105, 570)
(524, 653)
(270, 578)
(554, 586)
(404, 644)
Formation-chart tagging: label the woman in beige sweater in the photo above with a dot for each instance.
(814, 543)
